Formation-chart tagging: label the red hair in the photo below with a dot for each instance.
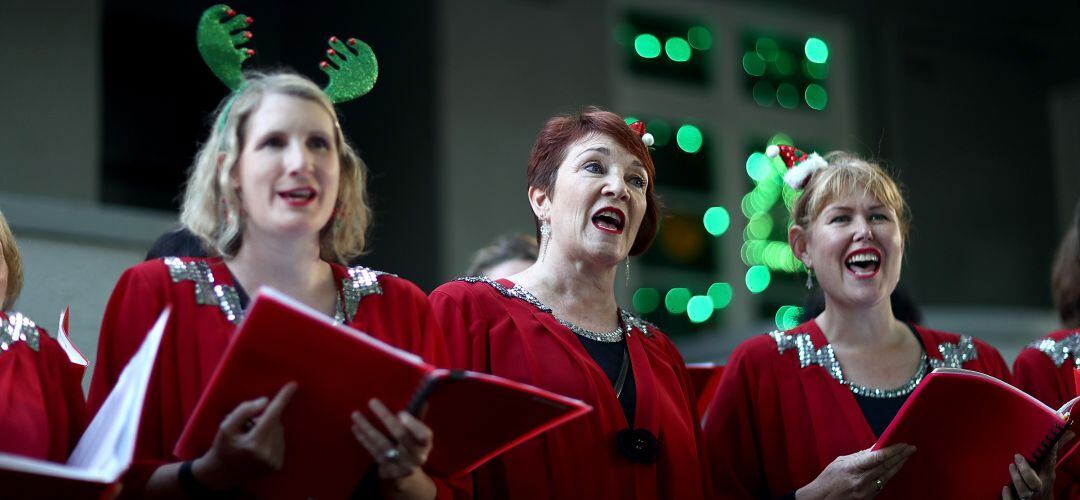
(549, 151)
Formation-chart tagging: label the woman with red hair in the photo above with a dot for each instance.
(556, 325)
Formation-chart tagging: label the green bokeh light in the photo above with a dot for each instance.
(661, 132)
(780, 138)
(700, 38)
(784, 64)
(716, 220)
(753, 64)
(699, 308)
(764, 93)
(758, 166)
(647, 45)
(816, 96)
(689, 138)
(767, 49)
(787, 95)
(817, 71)
(747, 205)
(760, 226)
(757, 279)
(646, 300)
(788, 317)
(720, 293)
(676, 299)
(677, 49)
(816, 50)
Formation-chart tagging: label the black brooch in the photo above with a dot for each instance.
(638, 445)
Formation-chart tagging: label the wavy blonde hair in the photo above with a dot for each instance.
(846, 174)
(211, 207)
(14, 265)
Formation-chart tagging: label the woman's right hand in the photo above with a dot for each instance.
(859, 475)
(249, 443)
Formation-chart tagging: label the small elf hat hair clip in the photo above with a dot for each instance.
(639, 128)
(800, 165)
(352, 66)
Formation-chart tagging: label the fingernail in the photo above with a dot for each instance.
(261, 401)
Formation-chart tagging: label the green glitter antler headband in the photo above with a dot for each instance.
(352, 66)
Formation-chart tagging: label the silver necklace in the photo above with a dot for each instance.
(615, 335)
(903, 390)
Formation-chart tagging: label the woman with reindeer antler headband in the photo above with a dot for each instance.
(279, 196)
(556, 325)
(797, 412)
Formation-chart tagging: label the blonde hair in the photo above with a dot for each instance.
(846, 174)
(14, 265)
(211, 207)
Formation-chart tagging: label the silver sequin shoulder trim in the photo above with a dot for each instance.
(1059, 350)
(628, 320)
(18, 328)
(359, 282)
(955, 354)
(207, 292)
(825, 357)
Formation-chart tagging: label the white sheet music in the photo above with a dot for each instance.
(107, 447)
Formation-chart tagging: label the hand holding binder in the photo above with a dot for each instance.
(472, 416)
(967, 427)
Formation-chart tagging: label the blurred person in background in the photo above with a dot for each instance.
(507, 256)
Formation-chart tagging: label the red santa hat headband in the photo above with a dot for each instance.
(639, 128)
(800, 165)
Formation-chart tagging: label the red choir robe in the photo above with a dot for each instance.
(490, 330)
(205, 313)
(773, 425)
(42, 408)
(1044, 369)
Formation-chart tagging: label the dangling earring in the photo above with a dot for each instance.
(628, 271)
(545, 237)
(809, 278)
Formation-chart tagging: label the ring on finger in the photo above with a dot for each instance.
(392, 454)
(879, 484)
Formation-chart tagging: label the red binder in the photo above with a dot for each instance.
(1069, 458)
(474, 416)
(966, 427)
(705, 377)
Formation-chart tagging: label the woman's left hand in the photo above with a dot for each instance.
(1028, 484)
(401, 455)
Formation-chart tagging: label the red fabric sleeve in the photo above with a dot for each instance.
(466, 339)
(132, 309)
(455, 326)
(679, 365)
(1035, 373)
(42, 408)
(730, 432)
(992, 362)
